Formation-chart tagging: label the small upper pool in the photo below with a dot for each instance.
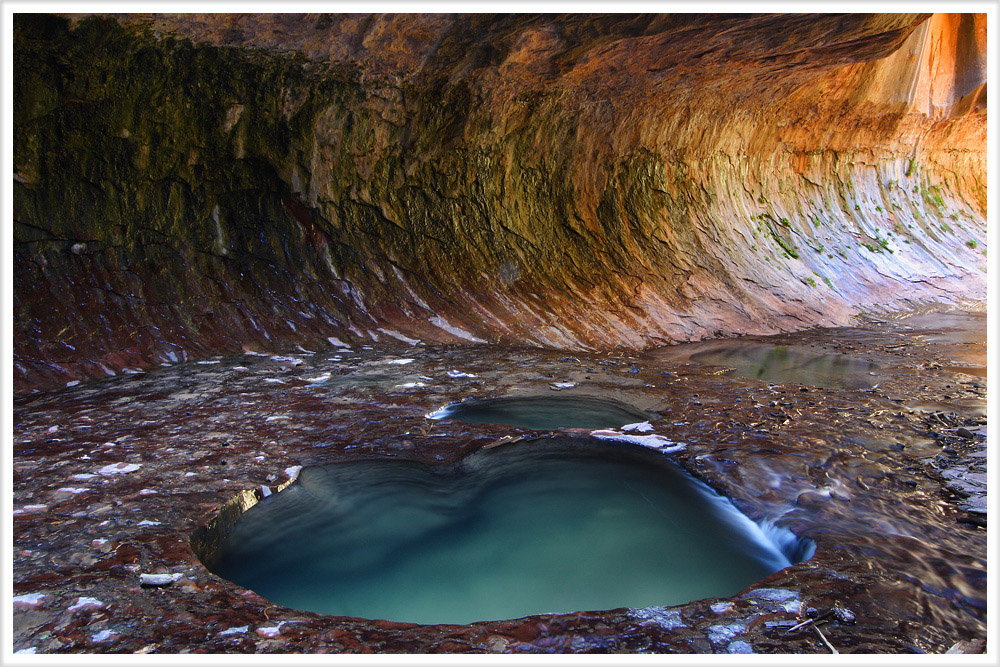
(545, 412)
(547, 526)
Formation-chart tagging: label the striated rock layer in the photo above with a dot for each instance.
(193, 184)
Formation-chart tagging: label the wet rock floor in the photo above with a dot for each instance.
(112, 477)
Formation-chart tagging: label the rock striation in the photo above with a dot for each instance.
(195, 184)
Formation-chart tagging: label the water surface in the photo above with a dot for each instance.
(544, 526)
(545, 412)
(779, 363)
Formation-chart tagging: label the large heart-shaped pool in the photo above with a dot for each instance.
(556, 525)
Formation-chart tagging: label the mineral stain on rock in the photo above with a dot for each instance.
(247, 246)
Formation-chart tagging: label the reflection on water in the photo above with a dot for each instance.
(780, 363)
(545, 412)
(958, 336)
(553, 526)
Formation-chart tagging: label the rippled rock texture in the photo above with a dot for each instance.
(193, 184)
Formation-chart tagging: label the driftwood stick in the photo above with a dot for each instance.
(808, 621)
(825, 641)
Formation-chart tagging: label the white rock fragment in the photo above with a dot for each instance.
(240, 368)
(72, 489)
(657, 442)
(336, 342)
(274, 418)
(147, 522)
(147, 492)
(190, 474)
(239, 630)
(724, 633)
(30, 509)
(291, 360)
(158, 579)
(265, 491)
(209, 362)
(319, 378)
(270, 631)
(400, 362)
(251, 353)
(274, 381)
(83, 476)
(410, 385)
(304, 350)
(29, 599)
(86, 603)
(722, 607)
(460, 374)
(52, 429)
(562, 385)
(72, 383)
(119, 468)
(99, 542)
(103, 636)
(293, 472)
(25, 651)
(641, 427)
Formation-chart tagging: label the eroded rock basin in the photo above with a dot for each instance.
(111, 478)
(554, 525)
(544, 412)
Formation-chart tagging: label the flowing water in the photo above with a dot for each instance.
(542, 526)
(545, 412)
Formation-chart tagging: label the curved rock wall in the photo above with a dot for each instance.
(193, 184)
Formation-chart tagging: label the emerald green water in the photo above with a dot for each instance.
(545, 412)
(544, 526)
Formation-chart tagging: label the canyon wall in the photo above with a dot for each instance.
(188, 185)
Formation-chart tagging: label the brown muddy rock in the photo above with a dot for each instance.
(569, 181)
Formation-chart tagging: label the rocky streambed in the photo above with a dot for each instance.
(120, 485)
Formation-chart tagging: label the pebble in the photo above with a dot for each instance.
(562, 385)
(86, 603)
(269, 632)
(845, 616)
(157, 579)
(119, 468)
